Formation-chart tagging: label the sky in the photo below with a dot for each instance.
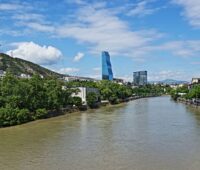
(68, 36)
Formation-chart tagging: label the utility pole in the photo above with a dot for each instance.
(0, 47)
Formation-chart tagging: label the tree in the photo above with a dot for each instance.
(77, 101)
(91, 99)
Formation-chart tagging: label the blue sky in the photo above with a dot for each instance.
(160, 36)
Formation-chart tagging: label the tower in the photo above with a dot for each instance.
(107, 73)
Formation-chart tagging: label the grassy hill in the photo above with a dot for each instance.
(19, 66)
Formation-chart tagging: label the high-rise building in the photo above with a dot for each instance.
(107, 73)
(140, 78)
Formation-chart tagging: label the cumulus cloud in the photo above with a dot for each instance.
(191, 11)
(45, 55)
(68, 70)
(78, 57)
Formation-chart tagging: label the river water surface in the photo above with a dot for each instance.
(145, 134)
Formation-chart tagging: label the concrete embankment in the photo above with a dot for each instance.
(191, 102)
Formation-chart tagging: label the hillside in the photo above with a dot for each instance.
(19, 66)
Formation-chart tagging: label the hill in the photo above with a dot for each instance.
(19, 66)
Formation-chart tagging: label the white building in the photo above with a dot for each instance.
(83, 91)
(195, 80)
(25, 76)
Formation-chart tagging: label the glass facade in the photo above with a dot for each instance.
(107, 73)
(140, 78)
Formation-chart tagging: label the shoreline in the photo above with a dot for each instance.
(189, 103)
(71, 110)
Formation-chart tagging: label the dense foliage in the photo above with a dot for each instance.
(185, 93)
(151, 90)
(91, 99)
(194, 93)
(23, 100)
(179, 91)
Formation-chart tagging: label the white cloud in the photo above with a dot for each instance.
(78, 57)
(28, 17)
(103, 30)
(40, 27)
(142, 9)
(10, 6)
(181, 48)
(45, 55)
(191, 11)
(79, 2)
(169, 74)
(68, 70)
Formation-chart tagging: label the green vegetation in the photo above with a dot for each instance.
(91, 99)
(185, 93)
(23, 100)
(194, 93)
(151, 90)
(114, 92)
(176, 93)
(18, 66)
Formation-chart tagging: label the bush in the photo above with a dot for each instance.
(77, 101)
(113, 99)
(91, 99)
(23, 116)
(8, 116)
(40, 113)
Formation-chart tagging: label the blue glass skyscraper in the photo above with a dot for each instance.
(107, 73)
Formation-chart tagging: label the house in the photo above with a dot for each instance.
(26, 76)
(83, 91)
(195, 81)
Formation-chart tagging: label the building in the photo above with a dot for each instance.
(77, 78)
(25, 76)
(107, 73)
(195, 81)
(140, 78)
(118, 80)
(83, 91)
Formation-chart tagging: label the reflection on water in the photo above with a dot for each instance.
(146, 134)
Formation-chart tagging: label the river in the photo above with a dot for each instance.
(145, 134)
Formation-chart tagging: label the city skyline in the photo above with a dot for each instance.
(162, 37)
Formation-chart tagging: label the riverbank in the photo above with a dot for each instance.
(75, 109)
(191, 102)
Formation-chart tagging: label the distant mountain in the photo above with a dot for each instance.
(170, 82)
(19, 66)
